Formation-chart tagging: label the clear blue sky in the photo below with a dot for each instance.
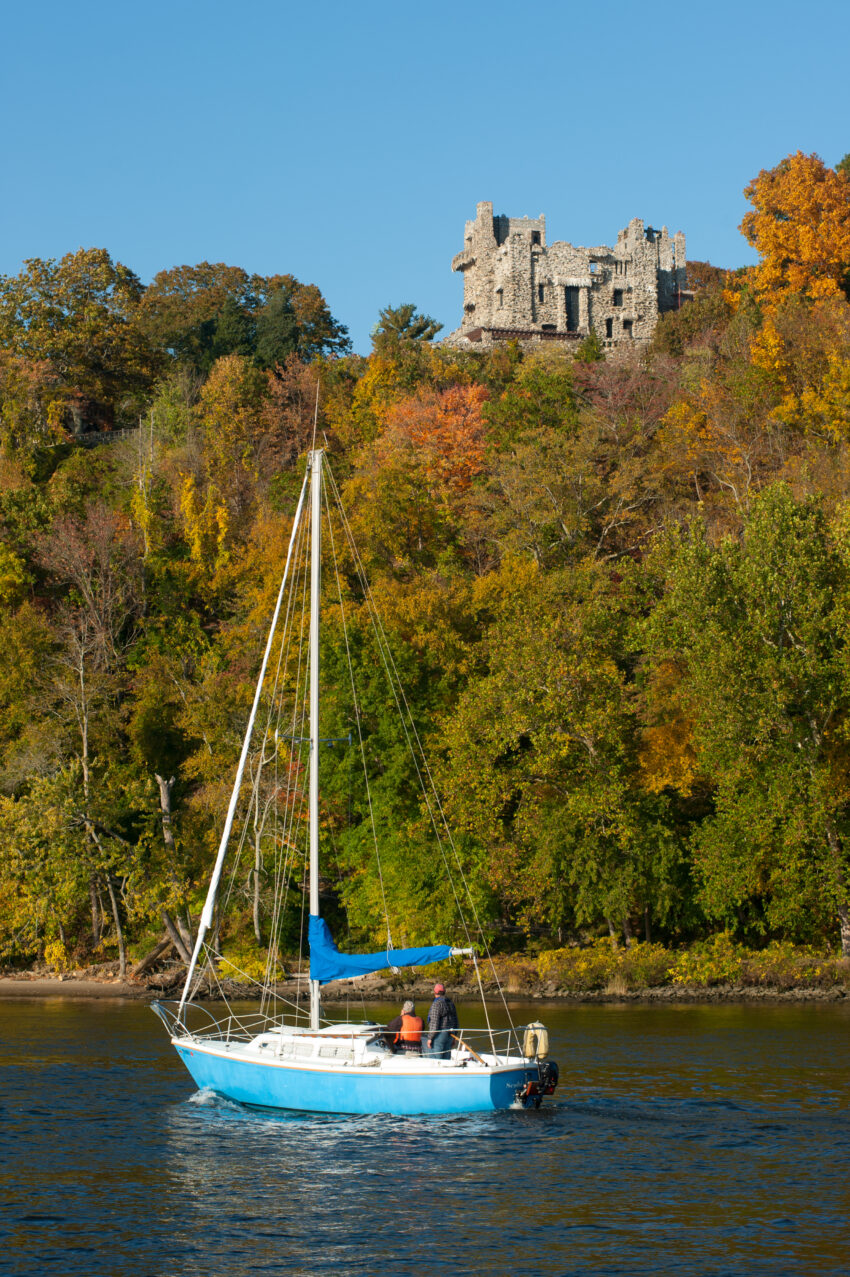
(347, 143)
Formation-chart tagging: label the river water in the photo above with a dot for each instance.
(683, 1139)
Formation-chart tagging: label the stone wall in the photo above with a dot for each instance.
(517, 285)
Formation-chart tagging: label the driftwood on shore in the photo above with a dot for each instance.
(162, 949)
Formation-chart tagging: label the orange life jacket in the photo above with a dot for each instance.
(411, 1029)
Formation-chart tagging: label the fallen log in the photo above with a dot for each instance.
(160, 950)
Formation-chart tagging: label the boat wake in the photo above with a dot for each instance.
(208, 1098)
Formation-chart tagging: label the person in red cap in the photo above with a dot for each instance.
(442, 1019)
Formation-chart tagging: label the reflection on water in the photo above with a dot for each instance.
(683, 1140)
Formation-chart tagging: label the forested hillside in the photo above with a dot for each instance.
(618, 590)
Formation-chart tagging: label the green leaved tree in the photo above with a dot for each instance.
(757, 627)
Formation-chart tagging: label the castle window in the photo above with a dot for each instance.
(535, 237)
(609, 328)
(571, 307)
(499, 298)
(618, 296)
(541, 293)
(627, 328)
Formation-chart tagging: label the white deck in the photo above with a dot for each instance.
(345, 1046)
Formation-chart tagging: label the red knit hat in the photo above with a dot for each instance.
(439, 988)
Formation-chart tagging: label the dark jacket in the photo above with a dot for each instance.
(442, 1015)
(392, 1029)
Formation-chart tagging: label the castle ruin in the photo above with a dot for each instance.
(516, 286)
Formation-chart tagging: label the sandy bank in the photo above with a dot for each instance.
(57, 987)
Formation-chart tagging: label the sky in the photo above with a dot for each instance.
(347, 144)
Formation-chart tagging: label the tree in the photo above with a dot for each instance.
(33, 406)
(289, 415)
(543, 762)
(403, 323)
(198, 314)
(800, 225)
(757, 629)
(229, 412)
(541, 395)
(318, 332)
(278, 335)
(590, 350)
(160, 744)
(181, 308)
(407, 485)
(28, 744)
(442, 432)
(94, 564)
(700, 322)
(77, 318)
(569, 475)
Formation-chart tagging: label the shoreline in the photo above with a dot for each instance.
(67, 988)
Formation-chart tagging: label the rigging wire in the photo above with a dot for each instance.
(298, 559)
(315, 416)
(291, 663)
(282, 872)
(400, 698)
(394, 682)
(358, 721)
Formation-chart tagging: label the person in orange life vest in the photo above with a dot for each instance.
(404, 1032)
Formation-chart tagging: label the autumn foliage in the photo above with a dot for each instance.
(615, 590)
(800, 226)
(442, 432)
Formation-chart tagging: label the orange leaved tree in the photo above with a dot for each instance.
(800, 225)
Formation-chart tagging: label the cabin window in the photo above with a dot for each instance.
(618, 296)
(336, 1053)
(609, 328)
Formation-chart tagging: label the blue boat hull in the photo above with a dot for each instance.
(279, 1085)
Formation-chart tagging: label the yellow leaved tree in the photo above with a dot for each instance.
(800, 225)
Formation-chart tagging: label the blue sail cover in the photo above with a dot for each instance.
(327, 963)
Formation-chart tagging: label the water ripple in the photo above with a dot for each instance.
(693, 1140)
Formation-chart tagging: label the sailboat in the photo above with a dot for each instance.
(277, 1060)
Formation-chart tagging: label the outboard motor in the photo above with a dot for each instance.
(535, 1046)
(549, 1077)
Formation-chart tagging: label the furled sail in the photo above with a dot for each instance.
(327, 963)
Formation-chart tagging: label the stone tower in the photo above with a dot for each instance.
(515, 285)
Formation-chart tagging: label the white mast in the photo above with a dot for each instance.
(207, 915)
(315, 584)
